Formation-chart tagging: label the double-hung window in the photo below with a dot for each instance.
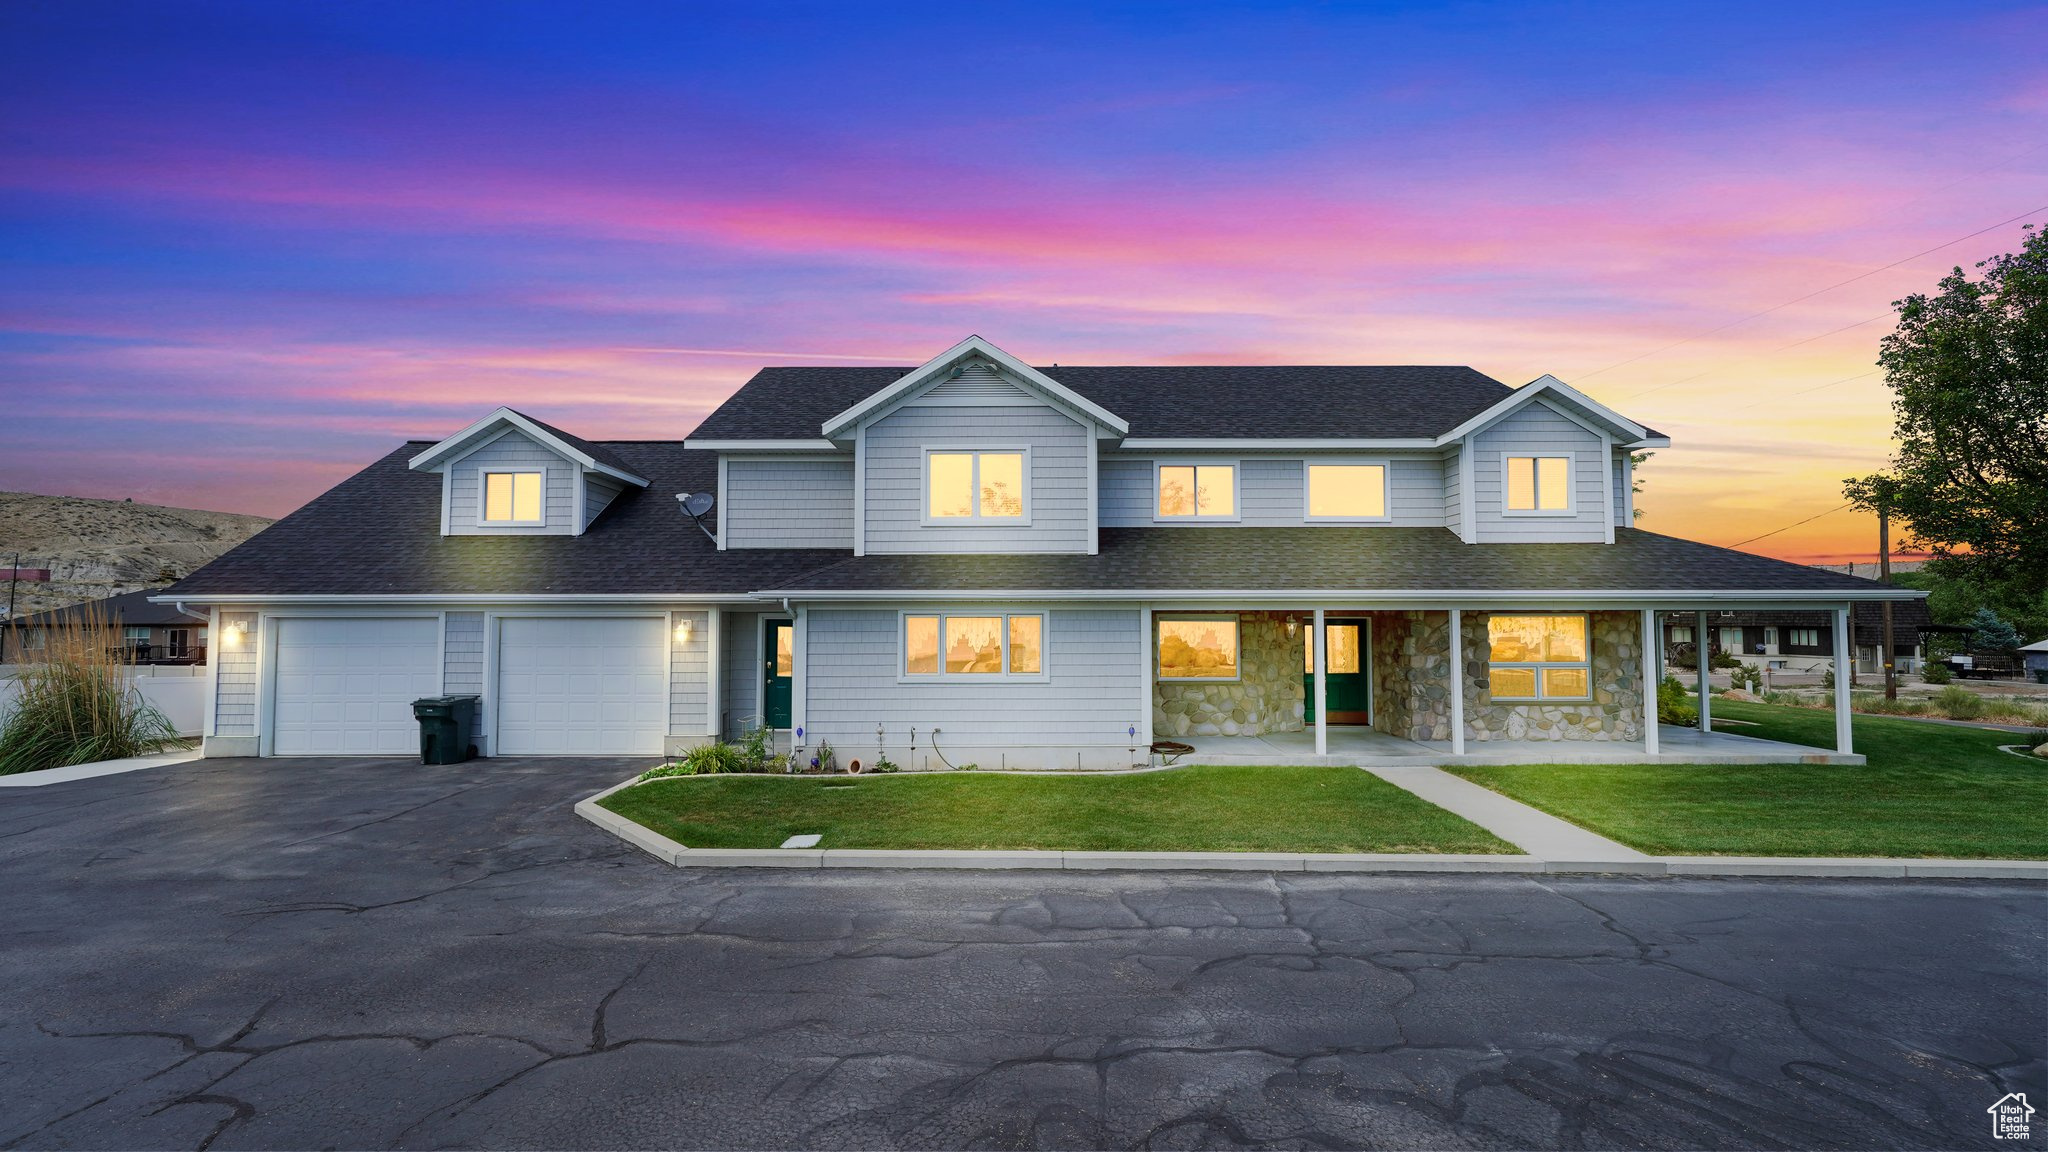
(1538, 485)
(974, 487)
(1802, 637)
(512, 497)
(1196, 491)
(1344, 491)
(1539, 658)
(967, 645)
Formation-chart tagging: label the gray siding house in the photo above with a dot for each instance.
(985, 561)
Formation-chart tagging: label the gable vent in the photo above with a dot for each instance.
(975, 380)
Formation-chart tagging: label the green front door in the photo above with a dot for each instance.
(779, 671)
(1348, 682)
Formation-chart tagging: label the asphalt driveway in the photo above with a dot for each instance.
(298, 954)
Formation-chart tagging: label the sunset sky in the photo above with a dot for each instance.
(247, 248)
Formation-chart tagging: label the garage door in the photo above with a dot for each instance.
(588, 686)
(345, 687)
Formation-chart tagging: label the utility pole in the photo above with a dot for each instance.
(1884, 573)
(7, 629)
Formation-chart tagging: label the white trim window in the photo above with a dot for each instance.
(1681, 633)
(1536, 485)
(977, 486)
(1539, 657)
(969, 646)
(511, 498)
(1802, 637)
(1344, 490)
(1194, 490)
(1196, 648)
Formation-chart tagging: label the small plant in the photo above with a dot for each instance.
(1935, 672)
(755, 749)
(825, 759)
(969, 767)
(884, 764)
(1958, 703)
(1747, 677)
(1722, 659)
(664, 771)
(1827, 679)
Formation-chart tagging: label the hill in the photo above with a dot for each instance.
(97, 548)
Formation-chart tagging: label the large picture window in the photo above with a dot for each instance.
(1197, 491)
(512, 497)
(1347, 491)
(974, 645)
(1198, 648)
(968, 487)
(1539, 484)
(1539, 658)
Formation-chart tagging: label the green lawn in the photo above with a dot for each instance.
(1929, 790)
(1193, 809)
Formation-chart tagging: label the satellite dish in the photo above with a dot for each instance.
(696, 504)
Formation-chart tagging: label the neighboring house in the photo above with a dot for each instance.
(2036, 656)
(144, 632)
(1037, 565)
(1804, 641)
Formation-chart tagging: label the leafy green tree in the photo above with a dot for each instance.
(1968, 369)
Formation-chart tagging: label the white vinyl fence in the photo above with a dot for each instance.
(179, 692)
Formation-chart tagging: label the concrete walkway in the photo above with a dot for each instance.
(1540, 834)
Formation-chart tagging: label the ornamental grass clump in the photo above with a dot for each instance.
(74, 703)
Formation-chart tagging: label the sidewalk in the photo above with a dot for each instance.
(88, 771)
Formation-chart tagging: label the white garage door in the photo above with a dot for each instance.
(345, 687)
(582, 686)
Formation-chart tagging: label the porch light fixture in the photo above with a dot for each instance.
(1293, 627)
(683, 630)
(231, 635)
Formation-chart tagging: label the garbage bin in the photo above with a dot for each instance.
(447, 728)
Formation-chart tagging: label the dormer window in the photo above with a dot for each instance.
(512, 498)
(974, 487)
(1539, 485)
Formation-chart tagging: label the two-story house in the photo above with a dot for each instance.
(1035, 566)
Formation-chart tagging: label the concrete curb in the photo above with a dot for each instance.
(669, 852)
(89, 771)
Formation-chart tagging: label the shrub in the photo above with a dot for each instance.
(663, 771)
(756, 749)
(884, 764)
(1672, 707)
(1935, 673)
(1719, 659)
(1958, 703)
(74, 704)
(1748, 677)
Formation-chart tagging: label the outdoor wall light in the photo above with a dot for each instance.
(1293, 627)
(231, 635)
(683, 630)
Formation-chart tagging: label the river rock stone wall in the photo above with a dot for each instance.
(1411, 668)
(1615, 713)
(1267, 696)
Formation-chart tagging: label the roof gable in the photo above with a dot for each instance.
(938, 369)
(1568, 402)
(590, 456)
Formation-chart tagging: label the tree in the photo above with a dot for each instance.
(1988, 633)
(1636, 460)
(1968, 369)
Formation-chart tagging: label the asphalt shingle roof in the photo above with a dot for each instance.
(127, 608)
(1211, 402)
(379, 532)
(1340, 559)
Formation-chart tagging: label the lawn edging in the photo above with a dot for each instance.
(682, 856)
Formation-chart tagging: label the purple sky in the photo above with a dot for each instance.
(248, 248)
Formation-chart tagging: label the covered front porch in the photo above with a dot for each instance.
(1360, 684)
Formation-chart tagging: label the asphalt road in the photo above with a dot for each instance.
(363, 954)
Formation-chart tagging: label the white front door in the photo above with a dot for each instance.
(582, 686)
(345, 686)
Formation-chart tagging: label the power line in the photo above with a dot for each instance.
(1810, 295)
(1809, 391)
(1789, 527)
